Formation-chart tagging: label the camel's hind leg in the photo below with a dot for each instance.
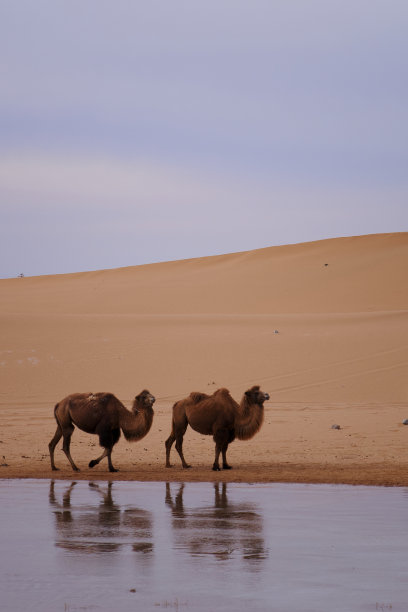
(67, 433)
(65, 428)
(57, 437)
(179, 448)
(168, 444)
(177, 434)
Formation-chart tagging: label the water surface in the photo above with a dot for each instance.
(69, 546)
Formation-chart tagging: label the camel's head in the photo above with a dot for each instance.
(145, 399)
(256, 396)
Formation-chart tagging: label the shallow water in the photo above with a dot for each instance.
(199, 546)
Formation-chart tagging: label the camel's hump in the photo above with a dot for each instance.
(101, 397)
(196, 397)
(222, 391)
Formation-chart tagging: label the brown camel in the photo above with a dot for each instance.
(218, 415)
(104, 415)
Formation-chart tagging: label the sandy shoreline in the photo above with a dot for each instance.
(368, 475)
(388, 475)
(296, 444)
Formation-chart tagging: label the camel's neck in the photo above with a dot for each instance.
(136, 426)
(248, 420)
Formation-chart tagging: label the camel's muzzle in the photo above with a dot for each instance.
(266, 396)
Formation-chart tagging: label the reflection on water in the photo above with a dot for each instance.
(219, 530)
(126, 546)
(100, 526)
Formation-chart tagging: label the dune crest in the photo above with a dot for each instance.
(358, 274)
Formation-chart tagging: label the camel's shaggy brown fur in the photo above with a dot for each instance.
(104, 415)
(218, 415)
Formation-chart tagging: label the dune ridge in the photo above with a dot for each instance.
(358, 274)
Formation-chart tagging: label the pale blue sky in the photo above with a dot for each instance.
(142, 131)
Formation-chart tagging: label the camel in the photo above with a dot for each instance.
(218, 415)
(104, 415)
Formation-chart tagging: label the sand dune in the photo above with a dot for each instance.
(321, 326)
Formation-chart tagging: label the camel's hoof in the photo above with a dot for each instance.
(226, 467)
(216, 468)
(76, 469)
(92, 463)
(113, 470)
(168, 465)
(55, 469)
(186, 466)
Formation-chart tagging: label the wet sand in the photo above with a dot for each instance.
(322, 327)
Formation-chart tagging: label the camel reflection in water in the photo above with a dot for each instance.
(101, 529)
(223, 530)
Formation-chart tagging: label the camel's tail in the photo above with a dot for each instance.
(172, 417)
(178, 414)
(56, 414)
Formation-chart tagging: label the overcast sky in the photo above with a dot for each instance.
(141, 131)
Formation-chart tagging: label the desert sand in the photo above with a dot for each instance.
(321, 326)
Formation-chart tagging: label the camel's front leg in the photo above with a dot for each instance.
(94, 462)
(225, 465)
(221, 445)
(216, 464)
(106, 453)
(111, 468)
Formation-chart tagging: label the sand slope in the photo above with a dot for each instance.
(321, 326)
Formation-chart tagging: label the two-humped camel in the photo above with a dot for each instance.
(104, 415)
(217, 415)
